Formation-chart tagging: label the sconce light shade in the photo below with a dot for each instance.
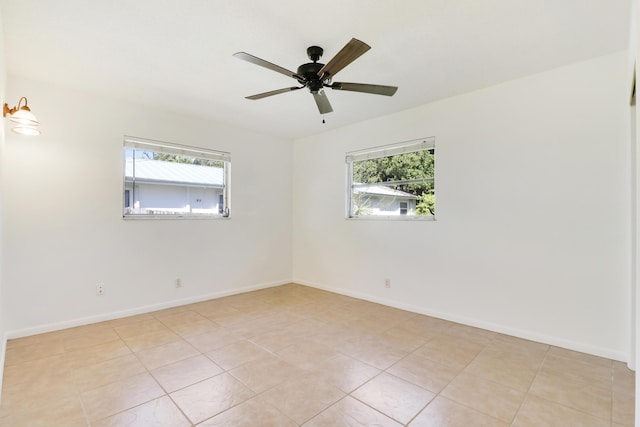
(27, 124)
(24, 116)
(26, 130)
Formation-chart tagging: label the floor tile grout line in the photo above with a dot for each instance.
(157, 382)
(560, 403)
(526, 395)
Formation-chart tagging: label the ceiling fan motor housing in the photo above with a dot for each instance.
(309, 74)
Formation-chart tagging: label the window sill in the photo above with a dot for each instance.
(174, 217)
(392, 218)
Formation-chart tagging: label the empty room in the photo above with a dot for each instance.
(252, 213)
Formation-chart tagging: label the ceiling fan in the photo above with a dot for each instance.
(316, 76)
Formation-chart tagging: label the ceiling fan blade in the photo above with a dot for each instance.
(324, 106)
(366, 88)
(266, 64)
(349, 53)
(273, 92)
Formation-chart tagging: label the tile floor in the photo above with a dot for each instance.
(293, 355)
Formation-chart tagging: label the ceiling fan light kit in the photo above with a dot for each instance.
(316, 76)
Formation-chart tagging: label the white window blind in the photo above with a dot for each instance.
(391, 150)
(142, 144)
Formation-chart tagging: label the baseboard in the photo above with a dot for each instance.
(529, 335)
(50, 327)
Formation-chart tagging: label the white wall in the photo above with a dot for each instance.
(3, 92)
(633, 76)
(532, 203)
(63, 236)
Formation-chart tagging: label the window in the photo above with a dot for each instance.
(404, 208)
(392, 182)
(163, 180)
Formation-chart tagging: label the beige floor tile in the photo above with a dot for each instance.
(49, 337)
(470, 334)
(394, 397)
(139, 328)
(171, 319)
(195, 328)
(25, 353)
(24, 396)
(577, 371)
(170, 311)
(425, 326)
(624, 379)
(402, 339)
(581, 396)
(211, 397)
(53, 368)
(303, 327)
(265, 373)
(29, 420)
(129, 320)
(229, 316)
(213, 308)
(509, 344)
(335, 315)
(368, 324)
(250, 413)
(493, 399)
(372, 352)
(98, 353)
(155, 357)
(515, 370)
(333, 335)
(453, 352)
(108, 371)
(623, 408)
(87, 337)
(311, 309)
(442, 412)
(307, 354)
(160, 412)
(537, 412)
(121, 395)
(424, 372)
(302, 398)
(580, 357)
(351, 412)
(212, 339)
(151, 339)
(393, 316)
(345, 372)
(237, 354)
(274, 341)
(65, 412)
(185, 372)
(254, 326)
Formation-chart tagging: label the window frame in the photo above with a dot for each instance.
(412, 146)
(144, 144)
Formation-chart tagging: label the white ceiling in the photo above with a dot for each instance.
(177, 55)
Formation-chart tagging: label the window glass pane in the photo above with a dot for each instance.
(392, 185)
(164, 184)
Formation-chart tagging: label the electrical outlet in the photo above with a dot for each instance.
(100, 289)
(387, 283)
(178, 283)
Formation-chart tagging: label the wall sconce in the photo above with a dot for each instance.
(26, 123)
